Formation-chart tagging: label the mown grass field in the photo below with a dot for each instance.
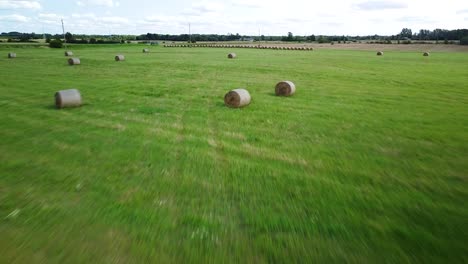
(366, 163)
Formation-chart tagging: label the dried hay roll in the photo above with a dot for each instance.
(11, 55)
(68, 53)
(145, 50)
(232, 56)
(285, 88)
(380, 53)
(237, 98)
(67, 98)
(426, 54)
(119, 58)
(74, 61)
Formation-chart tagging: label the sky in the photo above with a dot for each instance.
(246, 17)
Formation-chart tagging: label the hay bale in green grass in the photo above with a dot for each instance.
(426, 54)
(145, 50)
(237, 98)
(285, 88)
(232, 56)
(11, 55)
(74, 61)
(380, 53)
(68, 53)
(68, 98)
(119, 58)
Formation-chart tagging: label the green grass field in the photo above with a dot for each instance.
(366, 163)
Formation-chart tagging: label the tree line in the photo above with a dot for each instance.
(405, 35)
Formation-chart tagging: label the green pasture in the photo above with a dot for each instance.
(366, 163)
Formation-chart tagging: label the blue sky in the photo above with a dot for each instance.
(249, 17)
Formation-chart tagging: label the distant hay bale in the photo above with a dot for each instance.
(237, 98)
(67, 98)
(232, 56)
(145, 50)
(74, 61)
(119, 58)
(380, 53)
(11, 55)
(426, 54)
(68, 53)
(285, 88)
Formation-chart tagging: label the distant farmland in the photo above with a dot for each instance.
(367, 162)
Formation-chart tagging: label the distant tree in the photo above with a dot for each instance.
(92, 41)
(56, 43)
(323, 39)
(311, 38)
(406, 33)
(262, 37)
(69, 37)
(464, 41)
(290, 36)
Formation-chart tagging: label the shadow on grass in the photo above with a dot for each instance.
(53, 107)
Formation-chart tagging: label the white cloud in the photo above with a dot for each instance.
(246, 17)
(106, 3)
(203, 8)
(113, 20)
(380, 5)
(49, 18)
(248, 4)
(416, 19)
(18, 4)
(15, 18)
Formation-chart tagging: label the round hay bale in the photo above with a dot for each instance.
(285, 88)
(74, 61)
(11, 55)
(237, 98)
(67, 98)
(145, 50)
(119, 58)
(68, 53)
(380, 53)
(232, 56)
(426, 54)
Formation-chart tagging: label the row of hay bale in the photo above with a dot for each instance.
(241, 97)
(235, 98)
(236, 46)
(77, 61)
(380, 53)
